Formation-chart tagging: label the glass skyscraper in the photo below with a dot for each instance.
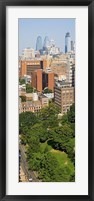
(67, 42)
(46, 43)
(39, 43)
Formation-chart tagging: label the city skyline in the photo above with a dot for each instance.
(56, 29)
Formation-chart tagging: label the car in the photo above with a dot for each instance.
(30, 179)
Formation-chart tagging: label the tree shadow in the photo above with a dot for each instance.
(51, 143)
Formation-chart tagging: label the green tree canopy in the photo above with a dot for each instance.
(47, 90)
(23, 98)
(26, 121)
(29, 88)
(22, 81)
(71, 114)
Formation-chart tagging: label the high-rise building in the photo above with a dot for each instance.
(70, 71)
(36, 77)
(64, 97)
(48, 80)
(67, 42)
(46, 43)
(39, 43)
(41, 80)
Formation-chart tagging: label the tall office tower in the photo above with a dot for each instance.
(67, 42)
(46, 43)
(39, 43)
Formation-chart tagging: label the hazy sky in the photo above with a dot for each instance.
(55, 29)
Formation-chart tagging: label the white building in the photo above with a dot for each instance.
(70, 77)
(28, 53)
(67, 42)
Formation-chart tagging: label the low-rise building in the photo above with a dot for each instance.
(49, 95)
(30, 106)
(44, 100)
(34, 105)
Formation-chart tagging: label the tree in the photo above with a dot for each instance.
(34, 162)
(34, 145)
(40, 131)
(61, 136)
(47, 165)
(26, 121)
(71, 114)
(35, 129)
(51, 171)
(29, 88)
(22, 81)
(50, 111)
(23, 98)
(46, 91)
(70, 148)
(64, 119)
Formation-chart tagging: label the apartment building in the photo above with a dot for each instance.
(64, 97)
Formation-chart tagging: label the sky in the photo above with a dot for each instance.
(56, 29)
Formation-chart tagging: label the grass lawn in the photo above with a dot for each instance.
(61, 156)
(44, 145)
(63, 159)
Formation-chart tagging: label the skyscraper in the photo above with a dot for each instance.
(46, 43)
(39, 43)
(67, 42)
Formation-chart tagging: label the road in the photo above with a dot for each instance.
(24, 164)
(22, 175)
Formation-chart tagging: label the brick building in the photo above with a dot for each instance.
(64, 97)
(28, 66)
(40, 80)
(36, 77)
(30, 106)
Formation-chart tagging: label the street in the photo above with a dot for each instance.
(24, 164)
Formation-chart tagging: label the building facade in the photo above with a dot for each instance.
(28, 53)
(28, 66)
(67, 42)
(36, 77)
(39, 43)
(30, 106)
(64, 97)
(70, 71)
(41, 80)
(46, 43)
(44, 100)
